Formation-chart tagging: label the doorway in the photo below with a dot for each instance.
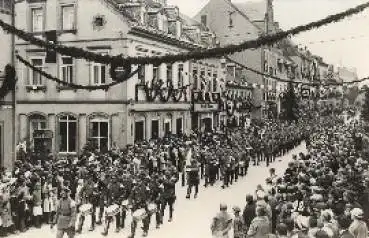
(139, 131)
(155, 129)
(179, 126)
(207, 124)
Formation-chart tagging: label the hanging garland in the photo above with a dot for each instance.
(293, 81)
(196, 54)
(113, 73)
(72, 85)
(157, 90)
(9, 81)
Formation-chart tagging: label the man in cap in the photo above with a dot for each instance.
(65, 217)
(222, 223)
(193, 178)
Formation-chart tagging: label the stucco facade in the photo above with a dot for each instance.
(120, 115)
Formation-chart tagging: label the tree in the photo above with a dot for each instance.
(365, 109)
(289, 105)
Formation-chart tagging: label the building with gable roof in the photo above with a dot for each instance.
(61, 119)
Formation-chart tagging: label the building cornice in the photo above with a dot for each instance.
(163, 38)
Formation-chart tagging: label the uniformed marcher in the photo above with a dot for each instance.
(193, 178)
(66, 213)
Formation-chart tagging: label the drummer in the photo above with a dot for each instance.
(139, 201)
(115, 192)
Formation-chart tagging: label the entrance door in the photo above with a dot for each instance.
(179, 126)
(155, 129)
(166, 128)
(139, 131)
(207, 124)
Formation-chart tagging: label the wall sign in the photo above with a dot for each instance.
(205, 107)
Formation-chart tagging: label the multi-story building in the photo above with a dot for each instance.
(6, 107)
(232, 25)
(66, 118)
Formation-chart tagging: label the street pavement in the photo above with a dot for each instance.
(192, 218)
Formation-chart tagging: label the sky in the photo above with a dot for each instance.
(348, 52)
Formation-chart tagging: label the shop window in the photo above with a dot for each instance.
(67, 134)
(99, 133)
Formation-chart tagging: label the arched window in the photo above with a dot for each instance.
(100, 132)
(67, 133)
(36, 122)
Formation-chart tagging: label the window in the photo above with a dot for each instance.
(202, 79)
(141, 75)
(215, 82)
(204, 20)
(66, 69)
(155, 72)
(180, 75)
(98, 72)
(99, 133)
(195, 79)
(5, 5)
(36, 122)
(37, 19)
(155, 129)
(67, 134)
(34, 77)
(169, 73)
(68, 17)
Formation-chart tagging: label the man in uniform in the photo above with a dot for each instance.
(139, 199)
(193, 178)
(115, 191)
(169, 194)
(86, 195)
(66, 213)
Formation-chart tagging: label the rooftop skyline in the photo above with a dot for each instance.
(342, 44)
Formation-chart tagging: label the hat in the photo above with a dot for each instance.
(223, 206)
(236, 209)
(357, 213)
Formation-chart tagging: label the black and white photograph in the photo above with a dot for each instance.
(184, 118)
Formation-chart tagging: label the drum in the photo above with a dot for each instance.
(152, 207)
(85, 209)
(112, 210)
(139, 214)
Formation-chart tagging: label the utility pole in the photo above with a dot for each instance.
(13, 90)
